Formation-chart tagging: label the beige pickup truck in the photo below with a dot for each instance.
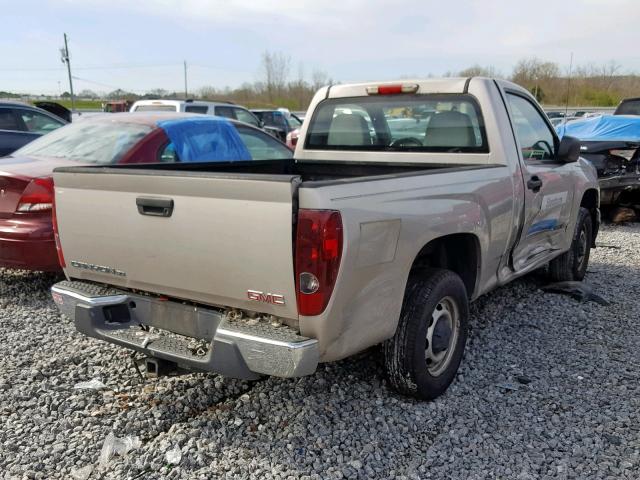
(405, 201)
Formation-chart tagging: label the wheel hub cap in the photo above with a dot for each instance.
(442, 336)
(582, 247)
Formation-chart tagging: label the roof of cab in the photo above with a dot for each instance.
(429, 85)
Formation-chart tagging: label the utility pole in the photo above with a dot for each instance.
(185, 80)
(566, 106)
(64, 52)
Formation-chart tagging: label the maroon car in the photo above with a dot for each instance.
(26, 185)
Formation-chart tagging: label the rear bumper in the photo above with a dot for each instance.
(28, 244)
(231, 348)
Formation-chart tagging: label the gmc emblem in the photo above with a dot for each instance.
(272, 298)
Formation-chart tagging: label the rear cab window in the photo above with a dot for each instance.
(413, 123)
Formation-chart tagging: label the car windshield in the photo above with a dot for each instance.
(88, 142)
(430, 123)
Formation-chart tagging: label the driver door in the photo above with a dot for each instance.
(548, 188)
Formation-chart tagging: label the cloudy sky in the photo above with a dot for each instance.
(140, 45)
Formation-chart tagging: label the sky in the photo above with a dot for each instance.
(140, 45)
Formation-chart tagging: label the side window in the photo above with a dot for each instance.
(262, 146)
(8, 120)
(37, 122)
(226, 112)
(196, 108)
(534, 136)
(168, 154)
(246, 117)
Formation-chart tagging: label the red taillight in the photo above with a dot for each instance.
(392, 89)
(292, 139)
(56, 236)
(37, 197)
(318, 254)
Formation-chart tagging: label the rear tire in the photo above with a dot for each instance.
(423, 356)
(572, 265)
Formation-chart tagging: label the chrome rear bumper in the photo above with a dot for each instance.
(231, 348)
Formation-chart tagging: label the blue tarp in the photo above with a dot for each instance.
(207, 139)
(605, 127)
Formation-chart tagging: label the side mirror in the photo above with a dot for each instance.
(568, 150)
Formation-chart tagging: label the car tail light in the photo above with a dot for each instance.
(37, 196)
(292, 138)
(318, 253)
(56, 236)
(392, 89)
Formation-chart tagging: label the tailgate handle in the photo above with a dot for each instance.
(155, 207)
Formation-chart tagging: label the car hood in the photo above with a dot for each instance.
(27, 166)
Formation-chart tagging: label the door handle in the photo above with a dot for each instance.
(155, 207)
(534, 183)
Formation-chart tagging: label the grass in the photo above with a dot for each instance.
(82, 104)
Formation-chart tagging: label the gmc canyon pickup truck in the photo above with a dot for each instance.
(404, 201)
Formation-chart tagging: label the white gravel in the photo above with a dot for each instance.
(577, 418)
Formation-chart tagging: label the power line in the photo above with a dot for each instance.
(93, 67)
(96, 83)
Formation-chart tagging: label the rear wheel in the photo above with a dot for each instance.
(422, 358)
(572, 265)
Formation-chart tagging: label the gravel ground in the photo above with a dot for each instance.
(548, 389)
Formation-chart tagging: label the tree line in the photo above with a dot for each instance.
(589, 85)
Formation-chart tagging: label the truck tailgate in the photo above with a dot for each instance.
(213, 238)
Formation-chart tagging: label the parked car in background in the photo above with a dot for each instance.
(628, 106)
(116, 106)
(21, 123)
(367, 237)
(56, 108)
(281, 121)
(220, 109)
(555, 114)
(26, 233)
(612, 144)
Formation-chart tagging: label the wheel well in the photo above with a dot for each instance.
(459, 252)
(591, 203)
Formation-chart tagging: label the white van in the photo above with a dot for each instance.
(221, 109)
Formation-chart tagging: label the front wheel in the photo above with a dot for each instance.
(572, 264)
(423, 356)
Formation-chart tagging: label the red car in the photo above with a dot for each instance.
(26, 185)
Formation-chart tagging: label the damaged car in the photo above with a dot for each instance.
(612, 144)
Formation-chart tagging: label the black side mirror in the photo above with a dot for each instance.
(568, 150)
